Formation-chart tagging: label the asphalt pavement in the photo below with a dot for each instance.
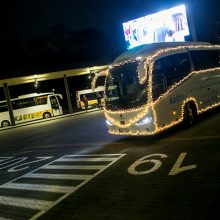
(71, 168)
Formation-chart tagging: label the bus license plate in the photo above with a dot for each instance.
(122, 130)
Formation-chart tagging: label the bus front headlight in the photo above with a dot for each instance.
(108, 122)
(146, 120)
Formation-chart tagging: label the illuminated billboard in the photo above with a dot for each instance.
(165, 26)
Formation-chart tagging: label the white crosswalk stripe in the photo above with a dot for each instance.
(38, 187)
(69, 159)
(57, 176)
(73, 167)
(36, 181)
(25, 203)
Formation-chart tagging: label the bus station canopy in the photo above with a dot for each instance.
(51, 75)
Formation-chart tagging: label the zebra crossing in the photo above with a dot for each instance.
(33, 194)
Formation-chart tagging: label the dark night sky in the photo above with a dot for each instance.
(27, 17)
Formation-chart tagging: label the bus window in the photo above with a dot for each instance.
(123, 88)
(3, 107)
(112, 92)
(28, 102)
(205, 59)
(159, 81)
(168, 71)
(41, 100)
(17, 104)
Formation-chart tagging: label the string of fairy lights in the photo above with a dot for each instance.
(97, 75)
(153, 106)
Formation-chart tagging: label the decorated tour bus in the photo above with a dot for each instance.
(157, 86)
(31, 107)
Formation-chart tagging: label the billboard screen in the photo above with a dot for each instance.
(165, 26)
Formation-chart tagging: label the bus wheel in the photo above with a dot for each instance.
(5, 123)
(46, 115)
(190, 114)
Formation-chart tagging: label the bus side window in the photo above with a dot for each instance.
(41, 100)
(159, 83)
(17, 104)
(176, 67)
(205, 59)
(3, 107)
(28, 102)
(168, 71)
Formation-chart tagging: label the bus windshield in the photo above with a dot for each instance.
(123, 90)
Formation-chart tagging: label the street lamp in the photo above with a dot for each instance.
(36, 83)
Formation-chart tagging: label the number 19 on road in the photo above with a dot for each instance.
(176, 169)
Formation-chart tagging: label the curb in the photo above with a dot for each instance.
(49, 119)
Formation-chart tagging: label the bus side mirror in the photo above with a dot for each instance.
(60, 96)
(142, 72)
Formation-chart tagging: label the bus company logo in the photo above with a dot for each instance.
(30, 116)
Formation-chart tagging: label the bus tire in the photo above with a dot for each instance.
(5, 123)
(46, 115)
(189, 114)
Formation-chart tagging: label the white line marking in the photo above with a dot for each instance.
(42, 205)
(72, 167)
(176, 167)
(38, 187)
(57, 176)
(77, 187)
(66, 159)
(95, 155)
(25, 203)
(3, 159)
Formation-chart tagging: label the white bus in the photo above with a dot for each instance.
(154, 87)
(31, 107)
(91, 96)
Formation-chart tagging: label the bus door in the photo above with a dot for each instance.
(55, 106)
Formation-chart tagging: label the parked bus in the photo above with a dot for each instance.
(31, 107)
(154, 87)
(91, 96)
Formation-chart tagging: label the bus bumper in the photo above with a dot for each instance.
(132, 130)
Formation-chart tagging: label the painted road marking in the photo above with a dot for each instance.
(16, 164)
(177, 166)
(176, 169)
(57, 176)
(39, 187)
(69, 159)
(51, 172)
(24, 203)
(73, 167)
(3, 159)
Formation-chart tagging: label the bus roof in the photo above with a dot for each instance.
(35, 94)
(148, 49)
